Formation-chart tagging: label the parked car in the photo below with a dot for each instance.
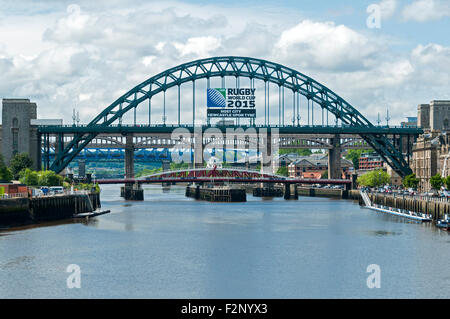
(56, 190)
(432, 193)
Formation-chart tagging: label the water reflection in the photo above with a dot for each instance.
(170, 246)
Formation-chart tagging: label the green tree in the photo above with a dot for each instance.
(5, 172)
(49, 178)
(436, 181)
(282, 171)
(299, 151)
(447, 182)
(411, 181)
(374, 178)
(147, 171)
(177, 166)
(19, 162)
(324, 175)
(29, 177)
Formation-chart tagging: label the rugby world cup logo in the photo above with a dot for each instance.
(216, 98)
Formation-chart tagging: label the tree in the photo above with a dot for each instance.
(49, 178)
(447, 182)
(374, 178)
(436, 181)
(19, 162)
(29, 177)
(324, 175)
(354, 155)
(411, 181)
(5, 172)
(299, 151)
(282, 171)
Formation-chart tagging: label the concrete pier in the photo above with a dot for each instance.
(267, 191)
(129, 156)
(334, 158)
(132, 192)
(216, 193)
(290, 191)
(323, 192)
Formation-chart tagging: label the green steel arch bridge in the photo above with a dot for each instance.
(306, 98)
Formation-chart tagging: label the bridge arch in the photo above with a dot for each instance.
(252, 68)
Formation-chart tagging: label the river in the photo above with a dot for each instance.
(170, 246)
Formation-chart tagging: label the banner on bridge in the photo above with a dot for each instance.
(231, 102)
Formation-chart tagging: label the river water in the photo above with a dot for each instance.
(170, 246)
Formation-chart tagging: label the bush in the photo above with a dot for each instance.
(87, 187)
(49, 178)
(29, 177)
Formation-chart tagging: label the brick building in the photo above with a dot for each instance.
(370, 161)
(315, 165)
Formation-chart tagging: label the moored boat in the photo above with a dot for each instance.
(443, 223)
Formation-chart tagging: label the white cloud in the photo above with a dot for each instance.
(433, 64)
(87, 56)
(200, 46)
(388, 8)
(426, 10)
(325, 46)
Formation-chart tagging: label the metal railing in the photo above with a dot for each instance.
(441, 199)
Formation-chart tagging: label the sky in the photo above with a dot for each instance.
(85, 54)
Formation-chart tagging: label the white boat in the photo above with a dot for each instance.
(395, 211)
(91, 214)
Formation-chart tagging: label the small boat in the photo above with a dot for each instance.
(91, 214)
(443, 223)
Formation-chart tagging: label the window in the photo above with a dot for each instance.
(15, 135)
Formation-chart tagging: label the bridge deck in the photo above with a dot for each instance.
(225, 179)
(286, 129)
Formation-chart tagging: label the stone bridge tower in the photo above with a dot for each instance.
(18, 134)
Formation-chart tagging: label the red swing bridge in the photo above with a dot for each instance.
(216, 175)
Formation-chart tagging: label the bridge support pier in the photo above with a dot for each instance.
(334, 158)
(129, 156)
(59, 146)
(290, 191)
(266, 154)
(132, 191)
(198, 150)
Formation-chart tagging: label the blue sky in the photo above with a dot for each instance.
(85, 54)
